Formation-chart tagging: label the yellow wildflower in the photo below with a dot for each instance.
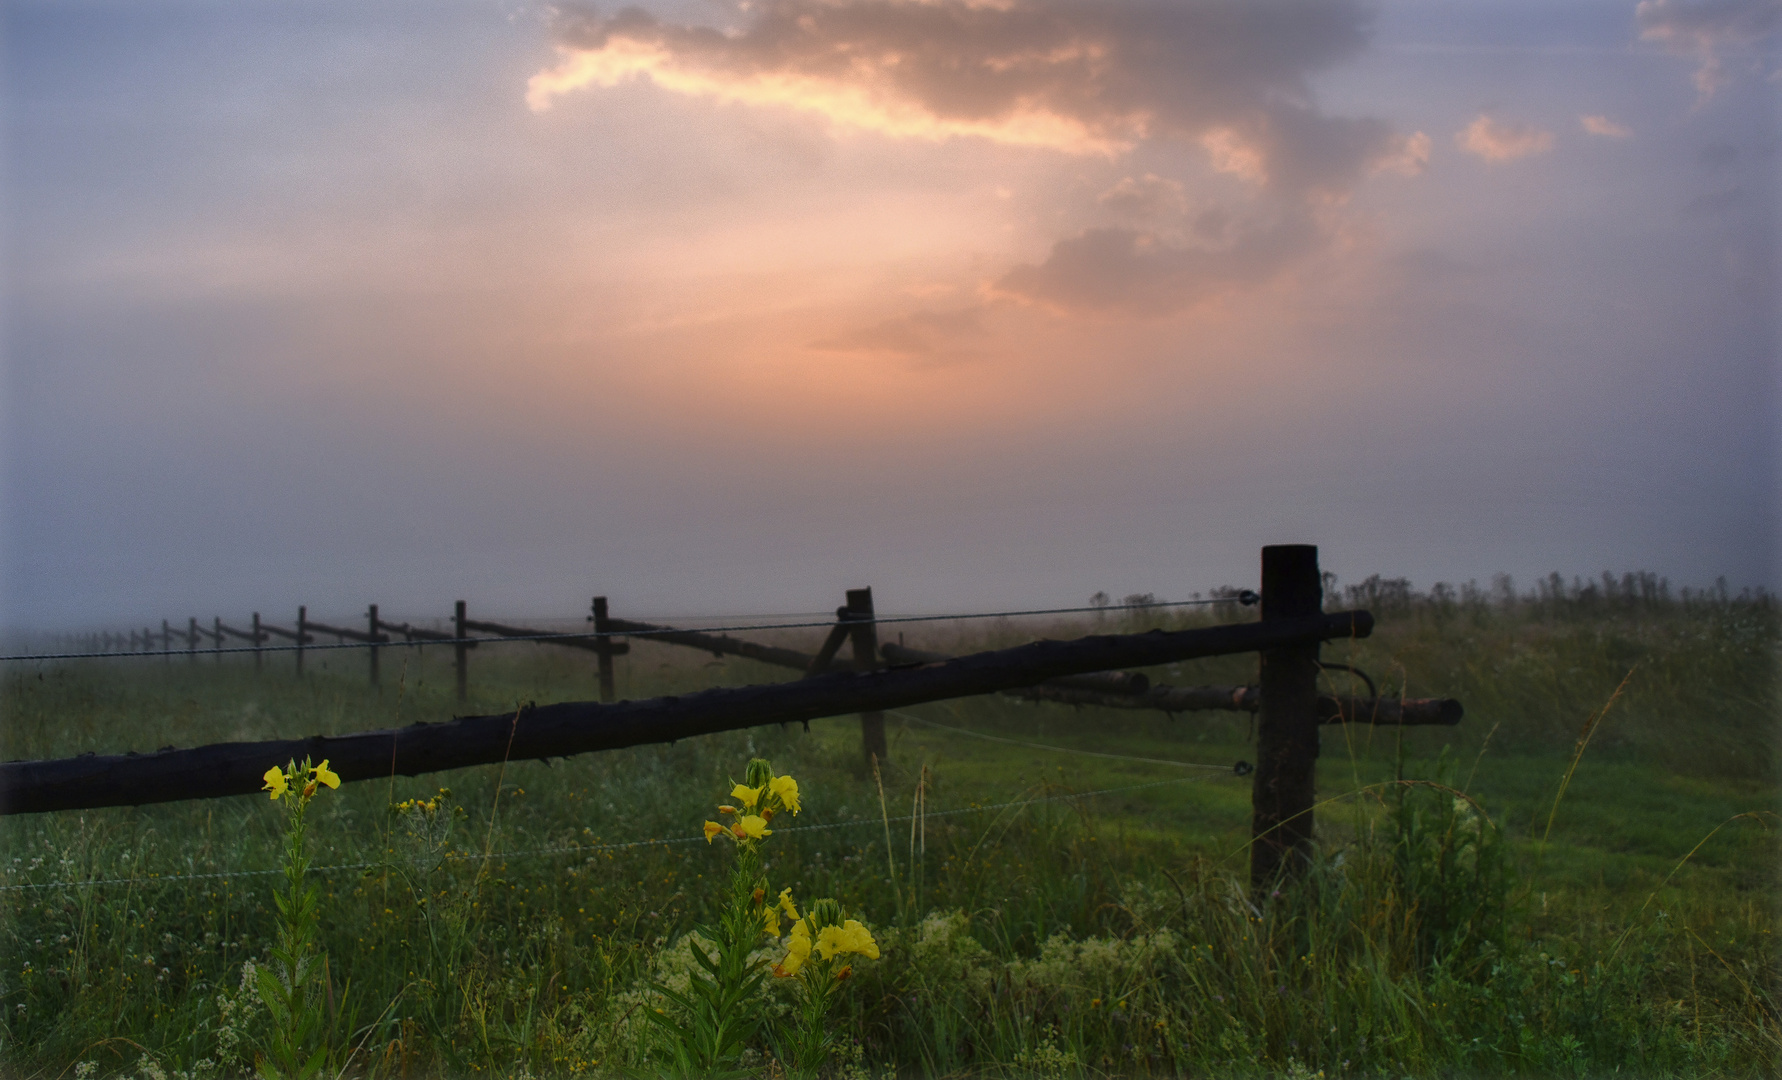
(748, 796)
(786, 904)
(751, 827)
(770, 920)
(798, 950)
(275, 782)
(849, 937)
(332, 779)
(712, 829)
(785, 789)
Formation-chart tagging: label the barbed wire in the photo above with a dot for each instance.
(1054, 749)
(596, 849)
(1246, 598)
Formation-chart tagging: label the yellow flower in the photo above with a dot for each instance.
(712, 829)
(785, 789)
(798, 950)
(849, 937)
(275, 782)
(770, 919)
(726, 809)
(332, 779)
(748, 796)
(786, 904)
(751, 827)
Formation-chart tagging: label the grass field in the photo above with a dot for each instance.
(1041, 911)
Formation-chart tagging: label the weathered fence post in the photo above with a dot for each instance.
(192, 639)
(258, 638)
(302, 634)
(603, 650)
(1287, 723)
(216, 627)
(866, 652)
(371, 650)
(461, 653)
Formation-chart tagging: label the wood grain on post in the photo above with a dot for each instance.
(1287, 722)
(460, 655)
(371, 624)
(603, 650)
(866, 652)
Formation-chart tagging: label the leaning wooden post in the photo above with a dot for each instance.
(192, 639)
(1286, 724)
(216, 636)
(462, 654)
(258, 638)
(866, 652)
(603, 649)
(302, 634)
(371, 650)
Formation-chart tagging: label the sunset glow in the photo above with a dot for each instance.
(741, 302)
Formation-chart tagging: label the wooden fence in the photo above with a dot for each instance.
(871, 679)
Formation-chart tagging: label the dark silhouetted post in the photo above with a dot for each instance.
(866, 652)
(192, 639)
(603, 646)
(462, 657)
(1287, 723)
(371, 649)
(166, 641)
(258, 638)
(216, 636)
(302, 635)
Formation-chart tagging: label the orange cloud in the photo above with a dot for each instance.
(1496, 140)
(1088, 79)
(1607, 128)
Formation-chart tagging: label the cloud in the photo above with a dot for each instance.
(1148, 196)
(1607, 128)
(1090, 78)
(1496, 140)
(921, 333)
(1706, 29)
(1126, 271)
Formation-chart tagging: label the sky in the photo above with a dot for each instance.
(724, 307)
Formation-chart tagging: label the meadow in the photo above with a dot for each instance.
(1579, 880)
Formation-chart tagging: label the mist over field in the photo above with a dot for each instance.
(717, 307)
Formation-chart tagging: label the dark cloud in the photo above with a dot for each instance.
(1084, 77)
(1125, 271)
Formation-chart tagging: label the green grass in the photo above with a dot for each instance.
(1058, 936)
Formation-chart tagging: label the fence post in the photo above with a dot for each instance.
(302, 633)
(258, 638)
(866, 653)
(462, 657)
(166, 642)
(192, 639)
(1286, 724)
(371, 650)
(216, 627)
(603, 650)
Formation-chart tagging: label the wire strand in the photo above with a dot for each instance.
(586, 634)
(1056, 749)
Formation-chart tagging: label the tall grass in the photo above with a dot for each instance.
(1051, 937)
